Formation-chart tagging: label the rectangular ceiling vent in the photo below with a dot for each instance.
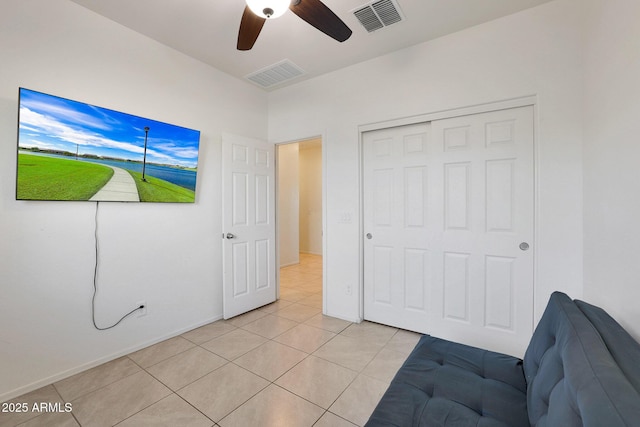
(378, 14)
(275, 74)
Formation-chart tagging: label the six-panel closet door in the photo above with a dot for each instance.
(449, 227)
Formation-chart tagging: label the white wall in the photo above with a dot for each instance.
(288, 204)
(535, 52)
(311, 197)
(169, 255)
(612, 159)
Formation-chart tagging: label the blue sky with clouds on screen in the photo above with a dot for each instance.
(50, 122)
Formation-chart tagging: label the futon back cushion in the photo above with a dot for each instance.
(447, 384)
(625, 352)
(572, 379)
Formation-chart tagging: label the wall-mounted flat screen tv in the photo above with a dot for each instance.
(69, 150)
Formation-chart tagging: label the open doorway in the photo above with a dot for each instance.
(300, 222)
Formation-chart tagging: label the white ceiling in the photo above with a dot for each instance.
(207, 30)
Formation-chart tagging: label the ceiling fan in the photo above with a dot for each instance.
(313, 12)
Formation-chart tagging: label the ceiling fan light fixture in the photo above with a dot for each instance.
(268, 9)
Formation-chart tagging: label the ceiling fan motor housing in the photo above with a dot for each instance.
(268, 8)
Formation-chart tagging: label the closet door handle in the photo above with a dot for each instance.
(230, 236)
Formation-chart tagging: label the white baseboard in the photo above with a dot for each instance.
(76, 370)
(311, 253)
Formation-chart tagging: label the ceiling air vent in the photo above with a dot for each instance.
(378, 14)
(276, 74)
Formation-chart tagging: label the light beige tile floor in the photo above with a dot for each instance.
(284, 365)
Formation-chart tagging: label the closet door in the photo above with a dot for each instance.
(398, 238)
(449, 228)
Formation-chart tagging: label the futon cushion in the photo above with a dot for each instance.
(626, 354)
(443, 383)
(572, 378)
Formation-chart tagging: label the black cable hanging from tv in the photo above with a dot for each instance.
(95, 283)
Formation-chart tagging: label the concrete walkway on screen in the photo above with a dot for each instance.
(120, 188)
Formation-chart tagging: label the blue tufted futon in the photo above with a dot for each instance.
(581, 369)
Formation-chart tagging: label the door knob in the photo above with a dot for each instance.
(230, 236)
(369, 236)
(524, 246)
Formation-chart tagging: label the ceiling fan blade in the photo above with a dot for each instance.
(320, 16)
(250, 28)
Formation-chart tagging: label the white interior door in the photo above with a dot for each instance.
(248, 224)
(448, 222)
(396, 245)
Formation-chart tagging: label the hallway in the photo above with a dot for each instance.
(302, 283)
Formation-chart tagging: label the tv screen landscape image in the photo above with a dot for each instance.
(69, 150)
